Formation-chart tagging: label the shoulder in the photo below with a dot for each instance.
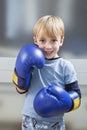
(69, 72)
(59, 62)
(67, 65)
(65, 62)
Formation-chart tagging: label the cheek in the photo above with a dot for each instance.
(41, 46)
(38, 45)
(56, 47)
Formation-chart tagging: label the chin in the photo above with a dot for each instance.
(49, 58)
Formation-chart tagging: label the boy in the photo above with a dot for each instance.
(50, 81)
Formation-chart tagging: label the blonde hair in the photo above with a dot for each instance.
(52, 25)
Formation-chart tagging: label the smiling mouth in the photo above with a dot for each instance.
(48, 53)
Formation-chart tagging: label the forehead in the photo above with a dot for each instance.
(47, 33)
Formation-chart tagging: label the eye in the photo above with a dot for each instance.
(54, 40)
(42, 40)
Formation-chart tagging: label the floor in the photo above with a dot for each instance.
(10, 126)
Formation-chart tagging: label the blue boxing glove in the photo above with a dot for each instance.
(54, 100)
(29, 56)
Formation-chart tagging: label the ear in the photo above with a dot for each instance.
(61, 40)
(35, 40)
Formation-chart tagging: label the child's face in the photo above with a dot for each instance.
(49, 45)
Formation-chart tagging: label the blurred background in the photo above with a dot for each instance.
(17, 18)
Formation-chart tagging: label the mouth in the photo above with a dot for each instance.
(48, 54)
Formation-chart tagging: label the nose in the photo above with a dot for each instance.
(48, 45)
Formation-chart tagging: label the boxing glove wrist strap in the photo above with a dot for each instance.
(76, 100)
(18, 81)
